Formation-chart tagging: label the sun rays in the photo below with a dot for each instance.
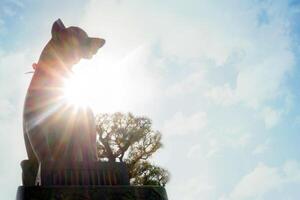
(75, 92)
(99, 84)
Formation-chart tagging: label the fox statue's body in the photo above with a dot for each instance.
(53, 128)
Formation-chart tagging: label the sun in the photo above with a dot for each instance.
(99, 85)
(75, 91)
(110, 83)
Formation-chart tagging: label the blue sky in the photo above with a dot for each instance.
(219, 79)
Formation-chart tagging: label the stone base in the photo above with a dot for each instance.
(75, 173)
(91, 193)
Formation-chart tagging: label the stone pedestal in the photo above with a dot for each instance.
(91, 193)
(82, 181)
(75, 173)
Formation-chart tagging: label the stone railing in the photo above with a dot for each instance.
(80, 181)
(75, 173)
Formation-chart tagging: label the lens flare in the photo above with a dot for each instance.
(76, 92)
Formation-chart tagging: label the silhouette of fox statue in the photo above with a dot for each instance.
(60, 138)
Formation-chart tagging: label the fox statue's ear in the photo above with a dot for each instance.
(57, 27)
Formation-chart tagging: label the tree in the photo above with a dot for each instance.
(146, 173)
(130, 139)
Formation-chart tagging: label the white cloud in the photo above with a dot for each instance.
(262, 148)
(192, 189)
(15, 64)
(13, 87)
(206, 150)
(271, 117)
(215, 143)
(264, 179)
(292, 171)
(222, 95)
(7, 109)
(214, 147)
(241, 140)
(181, 124)
(260, 82)
(230, 139)
(193, 83)
(260, 69)
(190, 53)
(257, 183)
(194, 151)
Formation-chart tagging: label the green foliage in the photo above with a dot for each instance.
(147, 174)
(130, 139)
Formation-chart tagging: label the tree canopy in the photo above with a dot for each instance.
(130, 139)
